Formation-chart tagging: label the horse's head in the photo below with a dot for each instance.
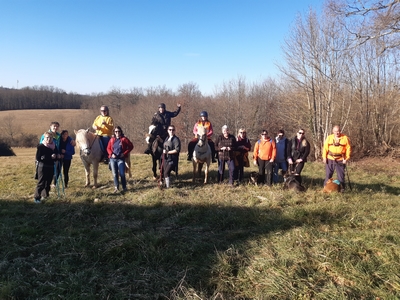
(83, 140)
(201, 136)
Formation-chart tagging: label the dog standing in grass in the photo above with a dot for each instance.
(332, 186)
(292, 182)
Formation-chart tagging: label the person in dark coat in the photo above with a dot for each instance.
(163, 118)
(225, 145)
(67, 151)
(172, 148)
(297, 152)
(281, 144)
(46, 155)
(243, 146)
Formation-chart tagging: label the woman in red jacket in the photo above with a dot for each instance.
(118, 148)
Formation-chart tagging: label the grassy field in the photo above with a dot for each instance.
(199, 242)
(37, 121)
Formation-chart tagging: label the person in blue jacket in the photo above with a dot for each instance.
(66, 151)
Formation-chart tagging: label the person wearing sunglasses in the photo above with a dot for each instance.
(104, 125)
(243, 146)
(171, 150)
(263, 156)
(335, 154)
(297, 151)
(225, 145)
(281, 156)
(118, 149)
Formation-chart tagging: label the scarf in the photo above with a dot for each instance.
(51, 145)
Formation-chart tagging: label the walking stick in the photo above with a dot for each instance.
(59, 180)
(348, 177)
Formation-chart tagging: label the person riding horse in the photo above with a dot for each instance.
(104, 125)
(202, 122)
(162, 118)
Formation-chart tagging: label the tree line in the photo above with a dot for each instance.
(340, 67)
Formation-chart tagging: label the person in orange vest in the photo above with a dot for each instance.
(263, 156)
(204, 122)
(335, 154)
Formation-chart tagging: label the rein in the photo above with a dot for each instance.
(90, 145)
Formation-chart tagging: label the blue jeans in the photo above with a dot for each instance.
(118, 166)
(221, 169)
(279, 165)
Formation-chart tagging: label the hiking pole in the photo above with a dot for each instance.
(348, 177)
(60, 179)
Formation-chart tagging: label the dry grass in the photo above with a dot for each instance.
(37, 121)
(199, 242)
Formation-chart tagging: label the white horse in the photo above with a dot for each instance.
(201, 154)
(90, 152)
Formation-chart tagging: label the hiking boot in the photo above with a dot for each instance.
(214, 160)
(106, 161)
(147, 151)
(189, 158)
(37, 201)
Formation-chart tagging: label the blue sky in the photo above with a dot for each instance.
(87, 46)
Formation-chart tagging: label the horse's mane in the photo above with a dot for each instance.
(82, 135)
(201, 130)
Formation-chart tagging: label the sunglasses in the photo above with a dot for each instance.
(264, 134)
(301, 133)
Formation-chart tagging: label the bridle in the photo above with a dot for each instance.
(88, 150)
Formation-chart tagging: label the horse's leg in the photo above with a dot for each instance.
(194, 169)
(87, 173)
(154, 168)
(128, 166)
(199, 168)
(206, 171)
(95, 173)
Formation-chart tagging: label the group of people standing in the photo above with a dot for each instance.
(271, 154)
(53, 155)
(55, 150)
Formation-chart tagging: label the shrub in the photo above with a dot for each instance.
(28, 140)
(5, 150)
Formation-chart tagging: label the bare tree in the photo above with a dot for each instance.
(10, 127)
(369, 20)
(315, 68)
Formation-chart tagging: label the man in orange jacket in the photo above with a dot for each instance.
(263, 156)
(335, 154)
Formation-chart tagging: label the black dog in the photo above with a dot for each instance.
(254, 178)
(292, 182)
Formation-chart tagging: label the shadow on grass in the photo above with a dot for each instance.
(102, 250)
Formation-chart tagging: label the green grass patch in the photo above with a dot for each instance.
(197, 241)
